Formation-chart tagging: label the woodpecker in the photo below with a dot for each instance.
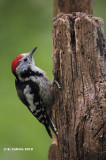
(34, 89)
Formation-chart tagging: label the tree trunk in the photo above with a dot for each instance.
(79, 67)
(69, 6)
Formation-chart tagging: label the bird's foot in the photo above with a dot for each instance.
(56, 83)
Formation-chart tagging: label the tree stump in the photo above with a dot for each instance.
(69, 6)
(79, 67)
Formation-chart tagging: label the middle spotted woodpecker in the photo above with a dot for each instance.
(34, 89)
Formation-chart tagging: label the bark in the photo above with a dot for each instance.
(69, 6)
(78, 64)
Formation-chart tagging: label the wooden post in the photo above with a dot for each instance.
(78, 64)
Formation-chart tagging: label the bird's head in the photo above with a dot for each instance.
(22, 63)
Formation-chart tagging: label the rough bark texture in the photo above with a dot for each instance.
(69, 6)
(78, 61)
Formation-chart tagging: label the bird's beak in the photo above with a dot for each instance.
(31, 53)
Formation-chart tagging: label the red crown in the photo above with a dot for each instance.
(15, 63)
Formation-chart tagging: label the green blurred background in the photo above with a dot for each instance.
(25, 24)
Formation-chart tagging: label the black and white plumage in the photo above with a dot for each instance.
(34, 89)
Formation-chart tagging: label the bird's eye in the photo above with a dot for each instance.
(25, 59)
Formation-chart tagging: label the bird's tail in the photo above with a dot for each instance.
(48, 130)
(51, 124)
(54, 129)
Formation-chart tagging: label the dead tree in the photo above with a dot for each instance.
(79, 66)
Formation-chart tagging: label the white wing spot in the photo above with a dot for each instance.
(45, 116)
(37, 111)
(39, 118)
(42, 109)
(29, 98)
(36, 103)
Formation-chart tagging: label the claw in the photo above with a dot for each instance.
(55, 81)
(58, 85)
